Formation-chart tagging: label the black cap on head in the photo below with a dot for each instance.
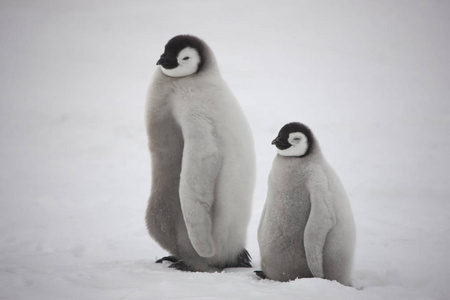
(281, 141)
(173, 47)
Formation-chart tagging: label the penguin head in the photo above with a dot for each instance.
(183, 56)
(294, 139)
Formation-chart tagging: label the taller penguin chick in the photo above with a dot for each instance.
(307, 227)
(203, 161)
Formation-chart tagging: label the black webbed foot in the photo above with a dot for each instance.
(180, 265)
(260, 274)
(172, 259)
(242, 260)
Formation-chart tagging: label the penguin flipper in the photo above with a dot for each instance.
(170, 258)
(201, 163)
(321, 220)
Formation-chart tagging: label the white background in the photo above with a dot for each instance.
(371, 78)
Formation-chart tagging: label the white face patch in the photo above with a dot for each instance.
(188, 61)
(299, 143)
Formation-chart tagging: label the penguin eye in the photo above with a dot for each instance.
(186, 58)
(297, 139)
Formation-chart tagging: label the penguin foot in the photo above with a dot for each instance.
(260, 274)
(180, 265)
(244, 259)
(172, 259)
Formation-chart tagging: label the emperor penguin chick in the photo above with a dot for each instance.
(307, 227)
(203, 161)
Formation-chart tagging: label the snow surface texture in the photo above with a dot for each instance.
(371, 79)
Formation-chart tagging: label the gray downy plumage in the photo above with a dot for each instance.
(307, 227)
(203, 161)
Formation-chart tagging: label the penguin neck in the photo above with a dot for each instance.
(210, 62)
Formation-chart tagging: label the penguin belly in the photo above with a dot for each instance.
(281, 234)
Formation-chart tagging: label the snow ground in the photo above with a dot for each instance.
(371, 78)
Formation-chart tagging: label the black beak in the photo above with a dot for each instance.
(161, 61)
(167, 62)
(280, 144)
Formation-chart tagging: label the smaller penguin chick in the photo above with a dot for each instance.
(307, 227)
